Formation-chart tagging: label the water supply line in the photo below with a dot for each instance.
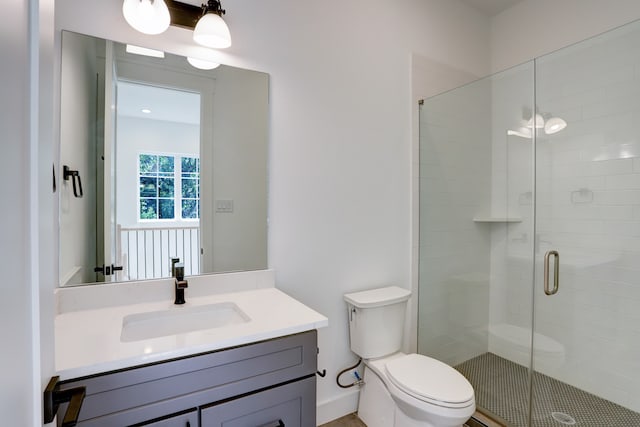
(358, 380)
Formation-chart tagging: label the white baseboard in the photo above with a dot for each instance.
(331, 409)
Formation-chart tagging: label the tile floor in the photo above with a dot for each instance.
(501, 388)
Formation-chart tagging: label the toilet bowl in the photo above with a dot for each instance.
(417, 390)
(401, 390)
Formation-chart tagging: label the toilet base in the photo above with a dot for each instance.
(376, 408)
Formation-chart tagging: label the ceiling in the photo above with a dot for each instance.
(165, 104)
(488, 7)
(491, 7)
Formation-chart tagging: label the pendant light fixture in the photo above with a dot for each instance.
(211, 30)
(147, 16)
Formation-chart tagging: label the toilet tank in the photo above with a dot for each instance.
(376, 320)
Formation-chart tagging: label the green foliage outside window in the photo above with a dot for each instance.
(159, 184)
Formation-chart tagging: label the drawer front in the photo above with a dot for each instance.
(176, 385)
(290, 405)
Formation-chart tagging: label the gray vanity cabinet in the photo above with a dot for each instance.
(188, 419)
(287, 405)
(268, 383)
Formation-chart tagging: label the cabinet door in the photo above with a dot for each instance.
(186, 419)
(290, 405)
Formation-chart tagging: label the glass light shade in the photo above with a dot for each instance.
(522, 133)
(539, 122)
(554, 125)
(212, 31)
(147, 16)
(202, 64)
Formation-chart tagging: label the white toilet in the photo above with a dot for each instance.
(401, 390)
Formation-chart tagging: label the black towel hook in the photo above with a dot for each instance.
(67, 172)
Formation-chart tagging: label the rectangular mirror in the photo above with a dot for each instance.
(158, 160)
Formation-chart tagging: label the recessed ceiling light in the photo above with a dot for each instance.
(137, 50)
(146, 111)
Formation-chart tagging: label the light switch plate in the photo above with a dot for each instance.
(224, 206)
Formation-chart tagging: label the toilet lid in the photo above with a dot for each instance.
(429, 379)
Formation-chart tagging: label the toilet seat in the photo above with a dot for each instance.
(430, 381)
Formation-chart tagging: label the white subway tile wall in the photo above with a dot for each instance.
(455, 185)
(475, 276)
(589, 194)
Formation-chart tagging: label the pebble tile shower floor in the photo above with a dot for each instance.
(501, 387)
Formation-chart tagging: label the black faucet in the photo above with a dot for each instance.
(180, 283)
(174, 261)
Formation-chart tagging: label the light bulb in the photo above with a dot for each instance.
(147, 16)
(212, 31)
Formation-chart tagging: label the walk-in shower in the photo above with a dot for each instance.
(530, 183)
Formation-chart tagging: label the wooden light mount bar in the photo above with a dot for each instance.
(183, 15)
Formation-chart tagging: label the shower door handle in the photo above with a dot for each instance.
(556, 272)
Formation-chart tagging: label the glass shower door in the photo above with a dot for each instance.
(586, 345)
(476, 237)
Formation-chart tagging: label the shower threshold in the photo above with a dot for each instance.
(501, 388)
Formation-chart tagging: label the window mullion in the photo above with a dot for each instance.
(178, 188)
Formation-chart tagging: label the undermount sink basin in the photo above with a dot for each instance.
(180, 320)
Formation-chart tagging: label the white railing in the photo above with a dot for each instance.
(146, 252)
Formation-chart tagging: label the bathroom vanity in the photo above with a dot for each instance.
(252, 363)
(266, 383)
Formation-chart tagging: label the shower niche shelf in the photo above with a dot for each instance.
(496, 219)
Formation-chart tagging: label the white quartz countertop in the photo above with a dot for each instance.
(89, 341)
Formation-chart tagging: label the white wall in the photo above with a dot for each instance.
(15, 183)
(535, 27)
(340, 138)
(78, 151)
(240, 156)
(26, 122)
(341, 149)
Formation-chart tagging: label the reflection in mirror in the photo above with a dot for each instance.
(172, 160)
